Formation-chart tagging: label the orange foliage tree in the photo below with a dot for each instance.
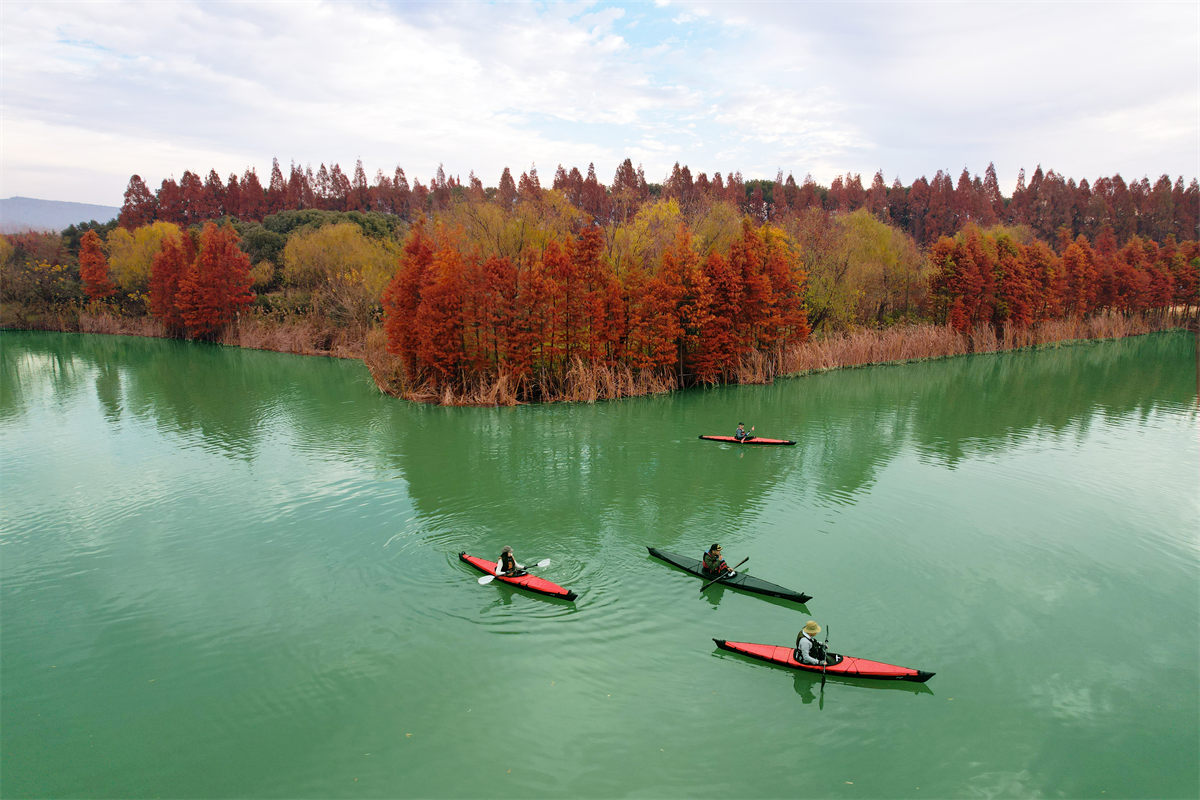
(197, 289)
(93, 268)
(459, 319)
(174, 257)
(217, 284)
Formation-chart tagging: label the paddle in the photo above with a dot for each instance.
(723, 574)
(825, 660)
(486, 579)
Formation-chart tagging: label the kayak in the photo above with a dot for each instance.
(750, 440)
(738, 581)
(845, 666)
(527, 581)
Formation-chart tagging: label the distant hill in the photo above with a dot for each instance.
(19, 214)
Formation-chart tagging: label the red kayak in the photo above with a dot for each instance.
(845, 666)
(531, 582)
(747, 440)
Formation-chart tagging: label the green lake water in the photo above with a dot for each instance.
(227, 573)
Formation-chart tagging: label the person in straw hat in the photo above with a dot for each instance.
(808, 649)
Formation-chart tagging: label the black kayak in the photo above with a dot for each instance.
(738, 581)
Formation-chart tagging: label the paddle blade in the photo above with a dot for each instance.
(486, 579)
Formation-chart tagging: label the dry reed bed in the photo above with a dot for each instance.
(585, 383)
(589, 384)
(305, 336)
(926, 341)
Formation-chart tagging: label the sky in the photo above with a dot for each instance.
(94, 92)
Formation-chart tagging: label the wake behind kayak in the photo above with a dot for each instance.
(845, 666)
(739, 581)
(527, 581)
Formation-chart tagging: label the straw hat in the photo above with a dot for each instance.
(812, 628)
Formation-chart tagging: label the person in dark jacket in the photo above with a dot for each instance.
(714, 565)
(741, 435)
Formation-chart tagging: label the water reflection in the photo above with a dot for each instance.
(634, 465)
(224, 400)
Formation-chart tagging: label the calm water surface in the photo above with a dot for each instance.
(228, 573)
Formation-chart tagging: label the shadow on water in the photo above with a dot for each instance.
(715, 593)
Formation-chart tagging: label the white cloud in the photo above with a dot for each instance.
(104, 90)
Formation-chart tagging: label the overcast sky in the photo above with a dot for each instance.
(94, 92)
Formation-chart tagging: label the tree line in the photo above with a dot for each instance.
(524, 293)
(927, 209)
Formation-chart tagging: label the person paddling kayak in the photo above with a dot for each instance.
(507, 564)
(714, 565)
(740, 434)
(808, 649)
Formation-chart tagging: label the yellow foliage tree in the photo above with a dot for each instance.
(888, 272)
(716, 226)
(130, 254)
(642, 241)
(344, 270)
(490, 230)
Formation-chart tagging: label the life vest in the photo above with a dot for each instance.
(816, 650)
(507, 562)
(714, 564)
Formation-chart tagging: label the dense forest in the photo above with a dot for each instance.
(459, 293)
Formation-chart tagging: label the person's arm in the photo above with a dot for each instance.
(499, 567)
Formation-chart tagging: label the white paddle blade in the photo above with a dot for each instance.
(486, 579)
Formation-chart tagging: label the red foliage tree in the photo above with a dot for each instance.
(718, 348)
(402, 298)
(216, 285)
(93, 268)
(1079, 270)
(173, 259)
(438, 321)
(192, 191)
(171, 204)
(276, 189)
(252, 197)
(139, 206)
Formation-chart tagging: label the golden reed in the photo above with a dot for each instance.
(588, 383)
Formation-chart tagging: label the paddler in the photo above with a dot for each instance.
(507, 564)
(740, 434)
(713, 564)
(808, 649)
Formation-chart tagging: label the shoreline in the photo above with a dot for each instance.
(895, 345)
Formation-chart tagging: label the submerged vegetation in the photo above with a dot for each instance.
(457, 293)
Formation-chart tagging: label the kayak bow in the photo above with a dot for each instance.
(527, 581)
(751, 440)
(739, 581)
(845, 667)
